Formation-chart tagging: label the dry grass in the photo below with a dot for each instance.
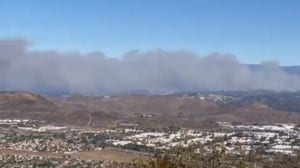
(106, 154)
(29, 153)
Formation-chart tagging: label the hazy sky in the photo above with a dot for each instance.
(253, 30)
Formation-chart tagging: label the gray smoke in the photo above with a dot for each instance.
(153, 71)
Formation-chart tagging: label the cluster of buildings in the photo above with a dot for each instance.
(219, 98)
(20, 135)
(32, 136)
(267, 139)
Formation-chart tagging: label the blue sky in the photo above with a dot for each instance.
(254, 30)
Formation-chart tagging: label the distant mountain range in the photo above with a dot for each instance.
(293, 70)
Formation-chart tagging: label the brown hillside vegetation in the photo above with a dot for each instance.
(24, 101)
(165, 110)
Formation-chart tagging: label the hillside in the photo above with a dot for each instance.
(143, 110)
(25, 101)
(171, 109)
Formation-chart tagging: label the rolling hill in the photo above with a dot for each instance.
(143, 110)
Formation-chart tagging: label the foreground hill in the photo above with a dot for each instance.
(25, 105)
(25, 101)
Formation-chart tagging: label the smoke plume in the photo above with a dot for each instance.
(152, 71)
